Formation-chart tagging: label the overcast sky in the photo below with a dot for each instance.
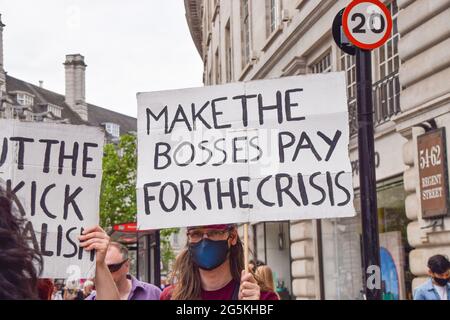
(129, 46)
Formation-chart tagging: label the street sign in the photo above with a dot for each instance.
(339, 35)
(367, 23)
(432, 153)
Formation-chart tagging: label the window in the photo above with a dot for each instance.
(274, 15)
(389, 61)
(387, 89)
(348, 64)
(228, 53)
(113, 129)
(245, 33)
(56, 110)
(215, 9)
(25, 99)
(323, 65)
(217, 67)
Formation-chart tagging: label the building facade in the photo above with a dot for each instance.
(241, 40)
(29, 102)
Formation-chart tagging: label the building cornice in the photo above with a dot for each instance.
(194, 21)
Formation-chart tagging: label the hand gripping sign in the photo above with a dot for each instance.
(267, 150)
(367, 23)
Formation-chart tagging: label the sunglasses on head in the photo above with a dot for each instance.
(116, 266)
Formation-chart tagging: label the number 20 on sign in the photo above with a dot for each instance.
(367, 23)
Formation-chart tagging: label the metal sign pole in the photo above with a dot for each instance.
(367, 179)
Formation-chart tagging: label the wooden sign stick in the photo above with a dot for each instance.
(246, 247)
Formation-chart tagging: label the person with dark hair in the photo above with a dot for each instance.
(20, 264)
(437, 287)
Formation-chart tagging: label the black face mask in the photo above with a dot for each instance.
(441, 282)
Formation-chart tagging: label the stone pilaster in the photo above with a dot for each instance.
(303, 265)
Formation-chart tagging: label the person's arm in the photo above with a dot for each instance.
(96, 239)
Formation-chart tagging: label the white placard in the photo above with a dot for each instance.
(55, 173)
(267, 150)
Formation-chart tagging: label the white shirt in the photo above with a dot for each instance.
(442, 291)
(57, 296)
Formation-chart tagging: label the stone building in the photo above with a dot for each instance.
(241, 40)
(29, 102)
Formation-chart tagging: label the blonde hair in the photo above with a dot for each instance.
(264, 275)
(88, 283)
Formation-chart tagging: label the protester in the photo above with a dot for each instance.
(437, 287)
(18, 273)
(88, 288)
(282, 291)
(128, 287)
(264, 274)
(212, 268)
(209, 268)
(72, 290)
(45, 289)
(57, 291)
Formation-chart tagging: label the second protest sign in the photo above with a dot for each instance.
(265, 150)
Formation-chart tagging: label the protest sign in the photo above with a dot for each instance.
(54, 172)
(266, 150)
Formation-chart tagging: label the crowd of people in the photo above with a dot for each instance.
(210, 267)
(61, 289)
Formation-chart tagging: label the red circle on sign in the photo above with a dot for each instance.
(352, 39)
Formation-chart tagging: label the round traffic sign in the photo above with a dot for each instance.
(339, 36)
(367, 23)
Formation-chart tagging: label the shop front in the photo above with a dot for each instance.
(342, 271)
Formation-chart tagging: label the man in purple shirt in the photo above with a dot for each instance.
(128, 286)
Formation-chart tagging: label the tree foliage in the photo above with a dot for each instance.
(118, 192)
(167, 254)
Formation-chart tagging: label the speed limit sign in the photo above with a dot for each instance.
(367, 23)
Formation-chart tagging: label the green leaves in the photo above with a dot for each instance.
(118, 192)
(167, 254)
